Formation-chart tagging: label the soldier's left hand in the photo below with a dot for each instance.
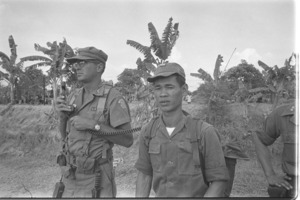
(81, 123)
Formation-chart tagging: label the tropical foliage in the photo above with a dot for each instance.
(154, 55)
(213, 89)
(13, 69)
(56, 61)
(280, 81)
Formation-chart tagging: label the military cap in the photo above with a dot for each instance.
(166, 70)
(89, 53)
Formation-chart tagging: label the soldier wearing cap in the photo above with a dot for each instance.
(97, 106)
(165, 161)
(280, 122)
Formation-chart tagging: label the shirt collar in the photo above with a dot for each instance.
(182, 123)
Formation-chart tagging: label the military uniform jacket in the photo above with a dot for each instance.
(282, 122)
(82, 143)
(169, 160)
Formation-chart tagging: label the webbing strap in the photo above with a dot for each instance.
(195, 128)
(193, 124)
(149, 131)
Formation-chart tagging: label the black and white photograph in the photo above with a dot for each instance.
(149, 99)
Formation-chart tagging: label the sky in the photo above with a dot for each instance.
(258, 29)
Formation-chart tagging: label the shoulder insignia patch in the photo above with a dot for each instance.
(122, 103)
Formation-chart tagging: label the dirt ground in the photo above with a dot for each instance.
(25, 175)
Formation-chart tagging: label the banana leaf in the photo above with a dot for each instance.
(156, 44)
(143, 49)
(174, 36)
(13, 49)
(40, 64)
(264, 66)
(217, 67)
(4, 57)
(203, 75)
(35, 58)
(165, 40)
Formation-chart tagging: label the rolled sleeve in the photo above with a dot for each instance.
(270, 133)
(143, 162)
(214, 161)
(119, 113)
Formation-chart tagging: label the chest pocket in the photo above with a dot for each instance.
(186, 166)
(155, 155)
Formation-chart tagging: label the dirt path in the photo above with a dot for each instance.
(27, 177)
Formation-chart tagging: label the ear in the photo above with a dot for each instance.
(185, 89)
(100, 67)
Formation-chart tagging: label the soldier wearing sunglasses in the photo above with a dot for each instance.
(88, 170)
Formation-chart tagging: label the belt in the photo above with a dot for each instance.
(100, 161)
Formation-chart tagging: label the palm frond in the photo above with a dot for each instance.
(166, 39)
(156, 44)
(5, 61)
(203, 75)
(45, 50)
(4, 75)
(217, 67)
(68, 50)
(150, 67)
(143, 49)
(13, 49)
(264, 66)
(40, 64)
(4, 57)
(174, 36)
(35, 58)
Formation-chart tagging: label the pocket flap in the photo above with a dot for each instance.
(185, 146)
(154, 147)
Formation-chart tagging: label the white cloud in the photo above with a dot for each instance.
(111, 72)
(249, 54)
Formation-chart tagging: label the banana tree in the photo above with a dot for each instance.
(157, 53)
(161, 48)
(214, 81)
(56, 61)
(14, 70)
(278, 79)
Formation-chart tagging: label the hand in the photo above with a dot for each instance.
(61, 106)
(81, 123)
(63, 144)
(280, 181)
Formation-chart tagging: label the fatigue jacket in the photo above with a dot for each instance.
(84, 144)
(169, 160)
(282, 122)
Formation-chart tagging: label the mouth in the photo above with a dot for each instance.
(164, 103)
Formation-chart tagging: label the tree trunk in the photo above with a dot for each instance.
(12, 95)
(54, 86)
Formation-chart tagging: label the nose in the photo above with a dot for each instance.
(163, 92)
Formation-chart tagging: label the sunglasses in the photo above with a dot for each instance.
(83, 63)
